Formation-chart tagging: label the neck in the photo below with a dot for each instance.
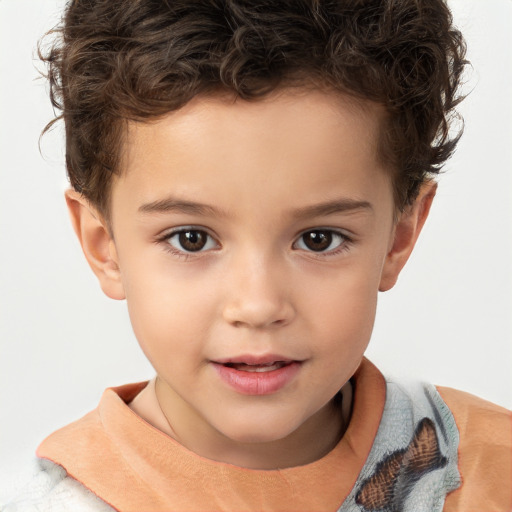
(316, 437)
(305, 445)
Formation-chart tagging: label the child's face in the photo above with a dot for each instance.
(251, 241)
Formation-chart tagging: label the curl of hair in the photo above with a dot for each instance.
(110, 62)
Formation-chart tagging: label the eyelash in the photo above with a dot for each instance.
(182, 254)
(344, 242)
(343, 246)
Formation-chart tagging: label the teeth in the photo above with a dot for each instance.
(264, 368)
(257, 368)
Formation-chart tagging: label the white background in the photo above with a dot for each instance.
(62, 342)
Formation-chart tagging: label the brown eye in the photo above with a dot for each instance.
(317, 240)
(320, 240)
(191, 240)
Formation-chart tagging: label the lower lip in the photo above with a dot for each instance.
(257, 383)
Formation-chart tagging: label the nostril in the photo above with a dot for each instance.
(274, 323)
(258, 313)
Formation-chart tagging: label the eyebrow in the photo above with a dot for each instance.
(171, 204)
(331, 208)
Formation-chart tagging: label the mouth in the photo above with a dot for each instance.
(257, 375)
(258, 368)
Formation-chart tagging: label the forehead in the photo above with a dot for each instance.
(301, 142)
(286, 115)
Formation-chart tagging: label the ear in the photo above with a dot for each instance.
(97, 244)
(406, 232)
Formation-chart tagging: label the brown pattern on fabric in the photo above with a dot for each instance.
(394, 477)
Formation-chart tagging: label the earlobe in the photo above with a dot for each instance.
(406, 233)
(97, 244)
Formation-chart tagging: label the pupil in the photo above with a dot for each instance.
(318, 240)
(192, 240)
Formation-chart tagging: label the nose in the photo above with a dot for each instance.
(259, 295)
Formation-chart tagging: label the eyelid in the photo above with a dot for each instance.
(166, 235)
(339, 231)
(347, 240)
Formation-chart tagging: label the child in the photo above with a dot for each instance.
(248, 176)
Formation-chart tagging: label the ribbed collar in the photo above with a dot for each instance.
(134, 467)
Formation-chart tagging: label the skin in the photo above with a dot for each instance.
(256, 287)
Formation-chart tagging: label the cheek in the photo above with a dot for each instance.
(346, 324)
(341, 314)
(166, 309)
(347, 295)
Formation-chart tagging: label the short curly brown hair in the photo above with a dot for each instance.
(114, 61)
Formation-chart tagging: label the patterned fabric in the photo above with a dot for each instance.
(411, 466)
(413, 462)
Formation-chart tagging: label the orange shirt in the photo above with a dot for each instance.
(485, 454)
(134, 467)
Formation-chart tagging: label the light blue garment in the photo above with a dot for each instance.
(394, 477)
(420, 489)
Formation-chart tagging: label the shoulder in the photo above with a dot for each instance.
(485, 452)
(481, 424)
(468, 405)
(50, 489)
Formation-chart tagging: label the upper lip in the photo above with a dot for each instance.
(253, 359)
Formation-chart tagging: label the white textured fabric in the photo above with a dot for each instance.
(420, 488)
(51, 490)
(423, 480)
